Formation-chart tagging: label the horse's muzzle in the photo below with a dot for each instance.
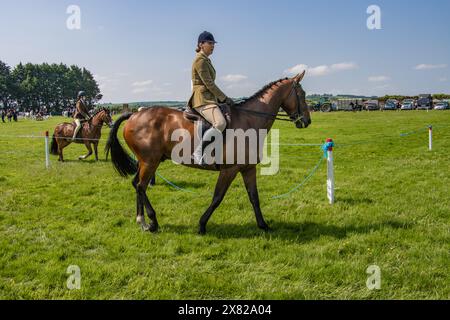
(302, 123)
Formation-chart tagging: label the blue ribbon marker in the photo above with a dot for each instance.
(325, 147)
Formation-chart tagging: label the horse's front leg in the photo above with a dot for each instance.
(96, 151)
(224, 181)
(89, 147)
(249, 175)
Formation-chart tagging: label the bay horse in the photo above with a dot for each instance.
(89, 134)
(148, 135)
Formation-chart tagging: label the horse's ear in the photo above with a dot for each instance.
(299, 77)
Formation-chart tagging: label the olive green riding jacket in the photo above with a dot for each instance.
(204, 90)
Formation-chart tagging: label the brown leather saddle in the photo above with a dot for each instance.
(192, 115)
(84, 125)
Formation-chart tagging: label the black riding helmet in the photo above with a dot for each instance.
(206, 36)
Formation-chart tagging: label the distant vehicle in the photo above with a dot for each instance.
(323, 105)
(371, 105)
(425, 102)
(407, 104)
(348, 105)
(390, 104)
(443, 105)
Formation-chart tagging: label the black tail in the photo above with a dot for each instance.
(54, 146)
(124, 164)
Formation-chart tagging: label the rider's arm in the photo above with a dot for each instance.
(203, 71)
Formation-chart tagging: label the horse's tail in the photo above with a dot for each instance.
(122, 161)
(54, 146)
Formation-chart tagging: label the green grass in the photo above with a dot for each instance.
(392, 210)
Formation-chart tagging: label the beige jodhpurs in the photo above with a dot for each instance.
(213, 115)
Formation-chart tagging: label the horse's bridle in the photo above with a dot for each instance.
(296, 117)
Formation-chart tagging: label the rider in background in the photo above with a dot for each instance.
(205, 93)
(81, 113)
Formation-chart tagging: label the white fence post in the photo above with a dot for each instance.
(330, 172)
(47, 157)
(430, 138)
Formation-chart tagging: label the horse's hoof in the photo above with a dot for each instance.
(153, 228)
(202, 231)
(265, 227)
(145, 227)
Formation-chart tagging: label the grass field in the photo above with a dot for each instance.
(392, 210)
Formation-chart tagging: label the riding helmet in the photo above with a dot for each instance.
(206, 36)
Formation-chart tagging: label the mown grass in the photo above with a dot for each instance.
(392, 210)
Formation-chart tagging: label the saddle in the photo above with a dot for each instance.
(192, 115)
(84, 123)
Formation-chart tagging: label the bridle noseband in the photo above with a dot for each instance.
(297, 116)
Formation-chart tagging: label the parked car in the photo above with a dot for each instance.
(407, 104)
(391, 104)
(443, 105)
(425, 102)
(371, 105)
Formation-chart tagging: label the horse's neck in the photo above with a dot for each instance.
(269, 103)
(97, 121)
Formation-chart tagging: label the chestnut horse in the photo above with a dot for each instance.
(89, 134)
(148, 134)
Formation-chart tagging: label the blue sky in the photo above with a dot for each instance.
(143, 50)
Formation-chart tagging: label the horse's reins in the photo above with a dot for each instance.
(296, 117)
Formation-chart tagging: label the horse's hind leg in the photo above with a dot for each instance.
(61, 145)
(146, 172)
(226, 177)
(140, 218)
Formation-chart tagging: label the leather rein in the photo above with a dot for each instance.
(295, 117)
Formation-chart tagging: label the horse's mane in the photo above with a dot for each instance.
(98, 111)
(263, 90)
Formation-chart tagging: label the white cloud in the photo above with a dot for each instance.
(382, 87)
(140, 90)
(430, 66)
(444, 79)
(100, 78)
(296, 69)
(142, 83)
(379, 78)
(234, 78)
(321, 70)
(344, 66)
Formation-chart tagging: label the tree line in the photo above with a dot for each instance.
(55, 86)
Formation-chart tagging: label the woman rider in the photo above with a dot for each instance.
(205, 94)
(81, 113)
